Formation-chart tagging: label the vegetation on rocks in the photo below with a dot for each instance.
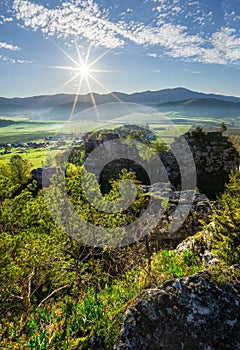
(58, 294)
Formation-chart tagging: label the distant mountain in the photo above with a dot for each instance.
(177, 100)
(176, 94)
(201, 102)
(202, 107)
(63, 111)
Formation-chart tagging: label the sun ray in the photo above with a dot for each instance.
(88, 54)
(93, 99)
(98, 58)
(79, 54)
(67, 55)
(76, 97)
(105, 88)
(84, 69)
(68, 82)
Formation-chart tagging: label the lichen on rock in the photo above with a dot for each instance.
(189, 313)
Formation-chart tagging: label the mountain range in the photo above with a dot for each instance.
(176, 100)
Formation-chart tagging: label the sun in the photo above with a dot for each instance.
(84, 69)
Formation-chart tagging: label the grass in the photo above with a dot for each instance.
(168, 132)
(69, 325)
(36, 131)
(34, 156)
(28, 131)
(166, 126)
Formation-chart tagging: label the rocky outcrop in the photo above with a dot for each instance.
(201, 245)
(188, 313)
(43, 176)
(214, 156)
(183, 215)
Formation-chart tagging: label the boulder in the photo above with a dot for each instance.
(188, 313)
(185, 210)
(200, 244)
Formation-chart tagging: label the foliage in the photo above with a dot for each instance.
(223, 127)
(159, 146)
(167, 264)
(197, 131)
(6, 184)
(57, 293)
(13, 175)
(65, 324)
(20, 169)
(225, 226)
(89, 212)
(31, 260)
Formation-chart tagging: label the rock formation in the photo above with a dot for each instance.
(189, 313)
(184, 211)
(214, 156)
(200, 244)
(43, 176)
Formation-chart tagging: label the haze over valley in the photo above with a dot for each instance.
(176, 102)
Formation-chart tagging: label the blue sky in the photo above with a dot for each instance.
(136, 46)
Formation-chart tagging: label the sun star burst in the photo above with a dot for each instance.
(84, 69)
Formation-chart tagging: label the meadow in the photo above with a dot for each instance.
(21, 130)
(25, 130)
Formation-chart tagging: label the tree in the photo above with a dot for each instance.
(6, 183)
(223, 127)
(20, 170)
(159, 146)
(226, 222)
(32, 263)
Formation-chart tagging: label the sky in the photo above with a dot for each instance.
(77, 46)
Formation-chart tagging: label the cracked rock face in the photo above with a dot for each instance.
(188, 313)
(214, 156)
(192, 208)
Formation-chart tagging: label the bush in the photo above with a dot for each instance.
(226, 223)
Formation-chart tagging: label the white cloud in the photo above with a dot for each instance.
(154, 55)
(227, 44)
(13, 60)
(4, 19)
(168, 35)
(192, 71)
(222, 48)
(11, 47)
(73, 18)
(175, 11)
(7, 46)
(84, 19)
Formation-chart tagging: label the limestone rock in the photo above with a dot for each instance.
(200, 244)
(214, 155)
(188, 313)
(184, 212)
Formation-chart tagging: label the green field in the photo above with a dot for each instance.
(34, 156)
(24, 130)
(168, 132)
